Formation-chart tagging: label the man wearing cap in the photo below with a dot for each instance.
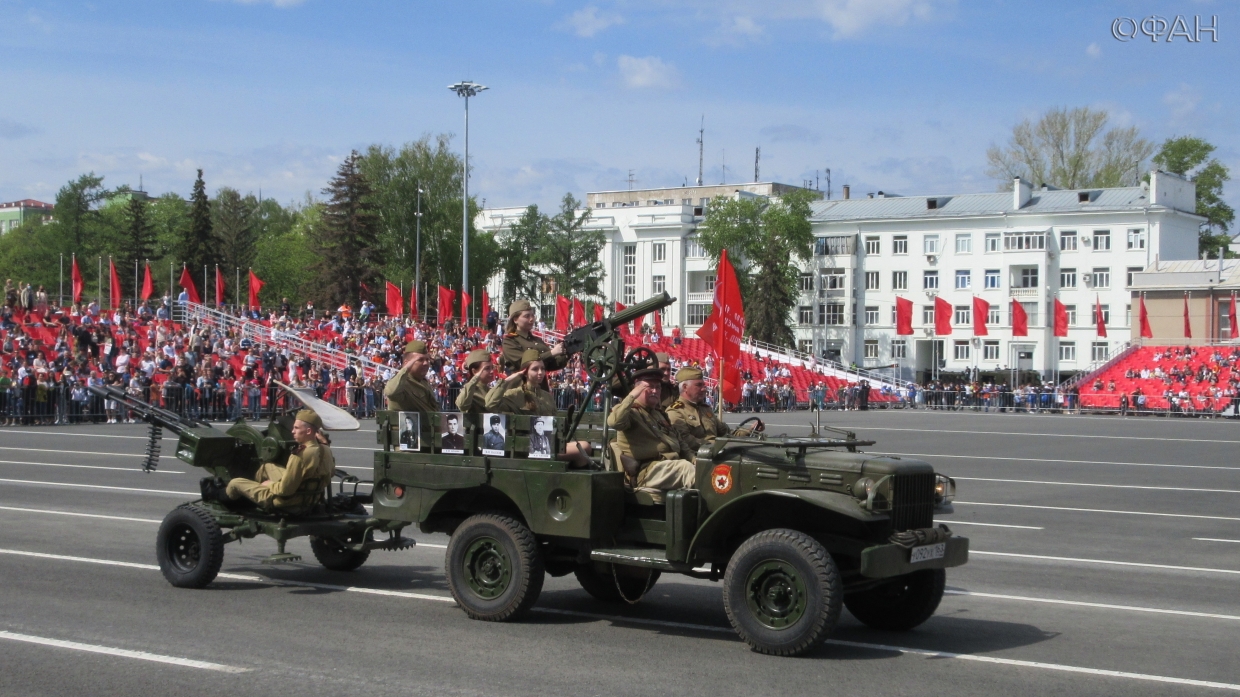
(695, 422)
(408, 389)
(518, 340)
(297, 486)
(651, 453)
(667, 388)
(473, 396)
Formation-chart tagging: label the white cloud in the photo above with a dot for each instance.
(1094, 50)
(650, 71)
(1183, 102)
(589, 21)
(848, 18)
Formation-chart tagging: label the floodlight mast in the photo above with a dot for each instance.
(465, 89)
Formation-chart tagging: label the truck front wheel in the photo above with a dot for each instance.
(782, 592)
(494, 567)
(900, 604)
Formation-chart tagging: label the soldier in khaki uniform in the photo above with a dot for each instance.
(695, 422)
(298, 486)
(408, 389)
(473, 396)
(651, 453)
(518, 340)
(667, 389)
(523, 391)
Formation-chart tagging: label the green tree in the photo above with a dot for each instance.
(282, 256)
(139, 241)
(233, 224)
(346, 240)
(1190, 157)
(77, 212)
(518, 245)
(1070, 149)
(197, 248)
(765, 239)
(570, 252)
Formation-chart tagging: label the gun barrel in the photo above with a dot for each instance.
(644, 307)
(149, 412)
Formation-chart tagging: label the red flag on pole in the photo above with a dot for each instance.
(1061, 318)
(148, 285)
(395, 301)
(942, 317)
(1020, 319)
(413, 302)
(114, 285)
(1147, 333)
(904, 316)
(1098, 317)
(1188, 328)
(724, 327)
(187, 282)
(447, 298)
(658, 325)
(486, 305)
(561, 313)
(579, 313)
(466, 301)
(1231, 316)
(256, 284)
(219, 287)
(78, 283)
(598, 312)
(981, 313)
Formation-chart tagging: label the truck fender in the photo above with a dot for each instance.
(840, 508)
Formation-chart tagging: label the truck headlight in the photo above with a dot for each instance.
(944, 489)
(862, 488)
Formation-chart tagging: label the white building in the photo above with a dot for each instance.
(1029, 245)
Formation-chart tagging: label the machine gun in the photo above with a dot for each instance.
(603, 355)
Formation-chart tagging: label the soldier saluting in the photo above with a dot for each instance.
(299, 485)
(651, 452)
(518, 340)
(408, 390)
(473, 396)
(695, 422)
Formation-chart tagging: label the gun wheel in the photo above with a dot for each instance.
(190, 547)
(494, 568)
(600, 361)
(333, 555)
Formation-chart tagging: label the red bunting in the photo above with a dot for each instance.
(1099, 319)
(395, 301)
(579, 313)
(148, 285)
(1020, 319)
(981, 313)
(942, 317)
(78, 283)
(1147, 333)
(447, 300)
(904, 317)
(466, 301)
(114, 285)
(219, 287)
(724, 327)
(1061, 318)
(561, 313)
(256, 285)
(187, 282)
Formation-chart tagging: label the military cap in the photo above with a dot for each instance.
(311, 418)
(477, 356)
(529, 356)
(664, 359)
(496, 419)
(415, 346)
(519, 306)
(655, 374)
(688, 373)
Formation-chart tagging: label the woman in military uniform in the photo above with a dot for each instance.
(518, 340)
(524, 392)
(473, 396)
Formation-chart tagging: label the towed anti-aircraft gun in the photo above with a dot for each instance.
(190, 543)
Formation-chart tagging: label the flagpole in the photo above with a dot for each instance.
(61, 302)
(135, 285)
(238, 286)
(99, 297)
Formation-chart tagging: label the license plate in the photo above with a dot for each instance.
(928, 552)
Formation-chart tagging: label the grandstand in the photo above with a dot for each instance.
(1185, 379)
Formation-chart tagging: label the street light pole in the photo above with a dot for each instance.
(417, 258)
(465, 89)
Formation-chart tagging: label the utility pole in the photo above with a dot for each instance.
(828, 178)
(465, 89)
(417, 255)
(701, 133)
(757, 157)
(723, 178)
(632, 180)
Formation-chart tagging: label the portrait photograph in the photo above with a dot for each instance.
(451, 434)
(408, 430)
(494, 434)
(542, 436)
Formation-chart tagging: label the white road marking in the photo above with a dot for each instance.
(989, 525)
(1093, 510)
(860, 429)
(701, 627)
(1104, 606)
(1070, 462)
(1213, 539)
(1108, 562)
(135, 468)
(88, 452)
(79, 515)
(100, 486)
(124, 653)
(1105, 486)
(79, 435)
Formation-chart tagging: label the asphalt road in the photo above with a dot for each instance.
(1106, 560)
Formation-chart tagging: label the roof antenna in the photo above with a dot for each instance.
(757, 156)
(701, 133)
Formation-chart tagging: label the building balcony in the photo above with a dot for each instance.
(1025, 292)
(700, 297)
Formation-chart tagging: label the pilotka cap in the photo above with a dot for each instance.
(311, 418)
(415, 346)
(685, 374)
(476, 357)
(529, 356)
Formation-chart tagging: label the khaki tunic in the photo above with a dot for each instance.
(473, 397)
(516, 344)
(295, 487)
(515, 400)
(668, 394)
(648, 437)
(404, 392)
(695, 423)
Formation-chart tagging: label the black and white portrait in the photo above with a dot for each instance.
(451, 438)
(495, 435)
(542, 431)
(409, 430)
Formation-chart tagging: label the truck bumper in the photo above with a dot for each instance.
(886, 561)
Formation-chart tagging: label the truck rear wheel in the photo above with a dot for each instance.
(782, 592)
(630, 581)
(494, 568)
(332, 554)
(190, 547)
(900, 604)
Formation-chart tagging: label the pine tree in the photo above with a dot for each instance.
(233, 224)
(197, 247)
(140, 242)
(571, 252)
(347, 239)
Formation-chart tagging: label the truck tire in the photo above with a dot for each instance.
(495, 570)
(901, 604)
(332, 555)
(190, 547)
(782, 592)
(602, 585)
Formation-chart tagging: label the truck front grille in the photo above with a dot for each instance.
(912, 504)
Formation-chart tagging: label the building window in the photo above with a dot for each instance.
(1128, 316)
(899, 349)
(806, 282)
(831, 314)
(1029, 278)
(693, 249)
(992, 241)
(1020, 241)
(930, 280)
(899, 280)
(964, 243)
(1031, 313)
(630, 274)
(1101, 278)
(805, 314)
(992, 317)
(927, 314)
(1071, 312)
(1067, 278)
(1098, 351)
(930, 244)
(1136, 239)
(872, 246)
(832, 279)
(698, 313)
(1102, 240)
(658, 251)
(658, 284)
(709, 282)
(1133, 270)
(990, 350)
(1067, 241)
(899, 244)
(992, 278)
(871, 348)
(960, 350)
(963, 316)
(964, 279)
(871, 314)
(1067, 350)
(805, 345)
(871, 280)
(840, 245)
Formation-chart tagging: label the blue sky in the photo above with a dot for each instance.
(897, 95)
